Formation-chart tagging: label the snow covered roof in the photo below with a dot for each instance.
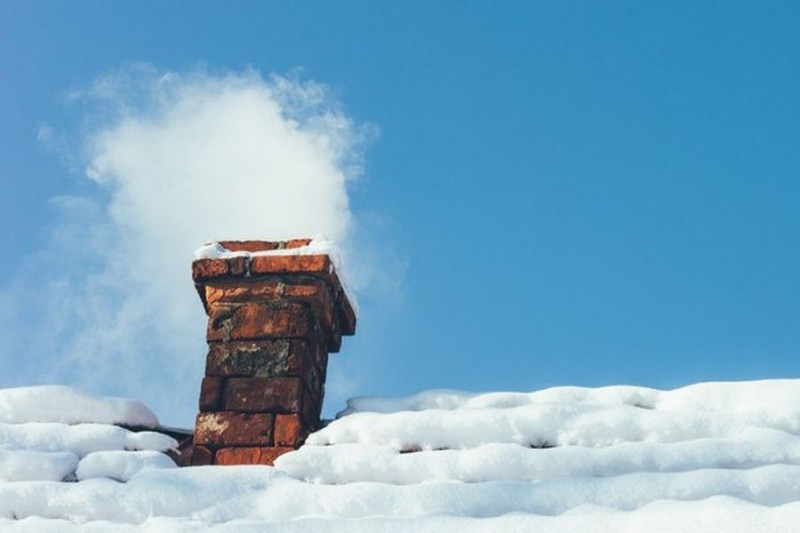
(708, 457)
(59, 434)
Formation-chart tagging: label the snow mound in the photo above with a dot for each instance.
(120, 465)
(58, 403)
(22, 465)
(742, 396)
(567, 416)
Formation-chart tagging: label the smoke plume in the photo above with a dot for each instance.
(176, 160)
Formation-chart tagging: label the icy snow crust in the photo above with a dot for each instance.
(713, 457)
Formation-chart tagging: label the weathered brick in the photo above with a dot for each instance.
(253, 321)
(237, 265)
(307, 290)
(276, 264)
(242, 291)
(280, 395)
(182, 455)
(211, 393)
(319, 356)
(202, 456)
(262, 246)
(346, 314)
(315, 293)
(209, 268)
(314, 377)
(289, 430)
(333, 339)
(220, 323)
(316, 391)
(260, 359)
(249, 246)
(311, 408)
(297, 243)
(231, 428)
(251, 455)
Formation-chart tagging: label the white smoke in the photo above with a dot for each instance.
(179, 160)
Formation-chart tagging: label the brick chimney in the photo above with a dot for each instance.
(275, 311)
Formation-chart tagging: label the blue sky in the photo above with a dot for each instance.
(560, 193)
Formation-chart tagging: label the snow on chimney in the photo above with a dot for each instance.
(275, 311)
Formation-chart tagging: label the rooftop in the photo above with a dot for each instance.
(708, 457)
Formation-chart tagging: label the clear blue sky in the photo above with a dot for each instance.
(584, 193)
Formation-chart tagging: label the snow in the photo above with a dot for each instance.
(567, 416)
(120, 465)
(28, 465)
(705, 458)
(79, 438)
(267, 496)
(715, 515)
(58, 403)
(348, 463)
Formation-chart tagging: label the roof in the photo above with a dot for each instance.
(708, 457)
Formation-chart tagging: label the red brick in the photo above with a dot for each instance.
(219, 323)
(347, 316)
(289, 430)
(211, 393)
(283, 395)
(252, 455)
(319, 357)
(228, 428)
(263, 359)
(202, 456)
(249, 246)
(297, 243)
(182, 455)
(333, 340)
(311, 408)
(315, 292)
(237, 265)
(242, 291)
(253, 321)
(209, 268)
(277, 264)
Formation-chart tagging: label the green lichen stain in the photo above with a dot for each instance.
(270, 362)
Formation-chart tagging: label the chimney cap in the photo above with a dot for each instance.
(238, 261)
